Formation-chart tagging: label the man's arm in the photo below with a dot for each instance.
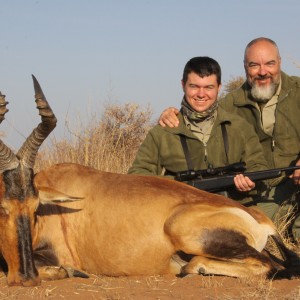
(296, 175)
(147, 158)
(254, 157)
(169, 117)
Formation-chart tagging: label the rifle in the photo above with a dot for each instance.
(218, 179)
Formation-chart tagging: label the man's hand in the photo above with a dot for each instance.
(296, 175)
(243, 183)
(169, 117)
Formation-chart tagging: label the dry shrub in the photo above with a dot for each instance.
(234, 83)
(109, 144)
(283, 222)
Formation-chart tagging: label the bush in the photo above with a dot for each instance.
(231, 85)
(109, 144)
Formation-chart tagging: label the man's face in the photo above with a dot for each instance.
(262, 66)
(201, 92)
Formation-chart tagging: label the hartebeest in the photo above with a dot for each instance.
(70, 217)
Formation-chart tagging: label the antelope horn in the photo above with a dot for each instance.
(8, 159)
(3, 109)
(29, 149)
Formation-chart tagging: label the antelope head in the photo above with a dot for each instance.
(18, 197)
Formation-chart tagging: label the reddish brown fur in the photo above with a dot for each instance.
(132, 225)
(123, 225)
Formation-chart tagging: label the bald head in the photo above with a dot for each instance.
(262, 65)
(261, 42)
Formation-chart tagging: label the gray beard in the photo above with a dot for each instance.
(263, 94)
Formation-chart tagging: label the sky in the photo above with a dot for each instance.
(86, 54)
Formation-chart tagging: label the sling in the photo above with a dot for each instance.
(187, 153)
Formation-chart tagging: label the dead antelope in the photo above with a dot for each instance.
(70, 217)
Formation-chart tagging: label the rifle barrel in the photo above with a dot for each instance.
(220, 183)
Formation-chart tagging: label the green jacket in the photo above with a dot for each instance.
(162, 148)
(283, 148)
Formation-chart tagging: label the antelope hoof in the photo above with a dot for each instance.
(56, 273)
(75, 273)
(191, 270)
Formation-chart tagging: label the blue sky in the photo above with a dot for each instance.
(88, 53)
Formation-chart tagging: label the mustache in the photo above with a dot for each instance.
(261, 77)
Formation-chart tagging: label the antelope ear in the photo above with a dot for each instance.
(47, 195)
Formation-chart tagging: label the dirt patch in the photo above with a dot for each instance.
(156, 287)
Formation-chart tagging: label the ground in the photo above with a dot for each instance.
(156, 288)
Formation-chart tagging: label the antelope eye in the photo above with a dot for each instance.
(3, 212)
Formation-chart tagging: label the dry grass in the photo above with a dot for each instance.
(152, 287)
(283, 222)
(156, 287)
(109, 144)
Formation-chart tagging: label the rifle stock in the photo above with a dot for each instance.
(220, 183)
